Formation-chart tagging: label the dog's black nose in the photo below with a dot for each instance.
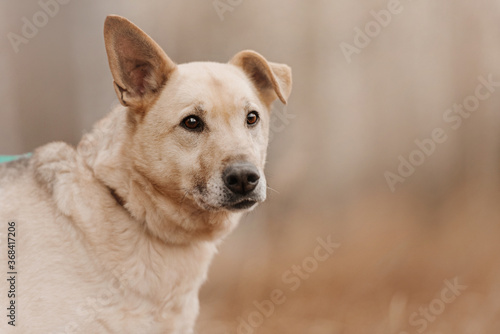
(241, 178)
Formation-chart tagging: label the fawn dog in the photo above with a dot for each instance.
(117, 234)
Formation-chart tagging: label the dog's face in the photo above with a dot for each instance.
(211, 131)
(200, 130)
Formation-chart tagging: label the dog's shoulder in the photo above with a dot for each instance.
(45, 165)
(12, 170)
(70, 182)
(53, 163)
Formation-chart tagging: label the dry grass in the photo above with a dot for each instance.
(394, 258)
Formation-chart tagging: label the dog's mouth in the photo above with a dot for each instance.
(241, 205)
(234, 204)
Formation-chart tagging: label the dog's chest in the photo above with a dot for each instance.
(159, 295)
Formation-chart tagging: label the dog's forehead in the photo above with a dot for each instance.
(214, 85)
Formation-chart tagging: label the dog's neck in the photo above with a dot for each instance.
(142, 238)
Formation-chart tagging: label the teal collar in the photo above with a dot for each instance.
(7, 158)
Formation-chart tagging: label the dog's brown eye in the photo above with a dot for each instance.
(192, 123)
(252, 118)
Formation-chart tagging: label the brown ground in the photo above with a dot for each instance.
(394, 258)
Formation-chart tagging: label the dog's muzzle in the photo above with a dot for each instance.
(241, 179)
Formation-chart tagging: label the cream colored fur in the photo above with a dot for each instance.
(117, 234)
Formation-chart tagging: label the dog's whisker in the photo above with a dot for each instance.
(276, 191)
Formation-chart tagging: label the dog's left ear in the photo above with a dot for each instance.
(272, 80)
(139, 66)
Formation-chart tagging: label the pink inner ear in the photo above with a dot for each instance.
(258, 74)
(133, 62)
(138, 77)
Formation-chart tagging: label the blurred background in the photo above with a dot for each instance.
(414, 220)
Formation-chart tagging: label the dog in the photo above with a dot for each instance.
(117, 234)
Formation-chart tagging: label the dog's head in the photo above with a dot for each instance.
(200, 130)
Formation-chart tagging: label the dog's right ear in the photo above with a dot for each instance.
(271, 79)
(139, 66)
